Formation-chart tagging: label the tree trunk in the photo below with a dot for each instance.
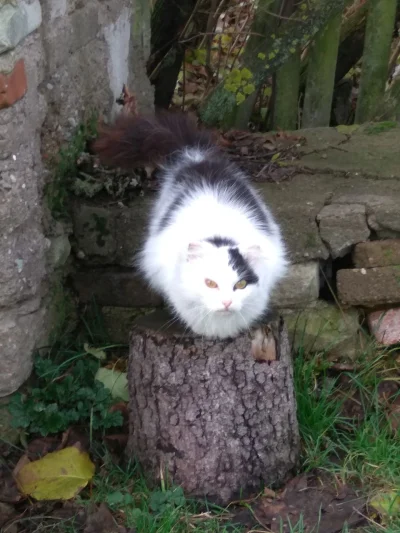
(375, 64)
(286, 102)
(217, 417)
(321, 75)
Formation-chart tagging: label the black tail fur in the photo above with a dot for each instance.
(134, 141)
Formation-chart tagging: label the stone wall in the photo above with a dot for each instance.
(58, 60)
(337, 212)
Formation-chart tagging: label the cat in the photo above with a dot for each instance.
(213, 249)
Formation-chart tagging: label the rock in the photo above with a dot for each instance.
(59, 251)
(19, 329)
(114, 288)
(299, 288)
(369, 287)
(18, 21)
(22, 265)
(325, 328)
(385, 326)
(377, 254)
(118, 321)
(342, 226)
(13, 85)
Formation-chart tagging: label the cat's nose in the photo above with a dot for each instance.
(226, 303)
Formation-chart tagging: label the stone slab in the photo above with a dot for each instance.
(358, 154)
(342, 226)
(114, 288)
(299, 288)
(324, 328)
(385, 326)
(377, 253)
(369, 287)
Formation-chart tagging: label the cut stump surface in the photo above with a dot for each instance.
(209, 415)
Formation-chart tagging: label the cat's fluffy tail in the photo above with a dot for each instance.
(139, 141)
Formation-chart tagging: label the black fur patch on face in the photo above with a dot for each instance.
(221, 241)
(241, 266)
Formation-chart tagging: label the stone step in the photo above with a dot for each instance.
(114, 288)
(369, 287)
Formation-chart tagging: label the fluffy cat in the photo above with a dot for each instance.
(213, 249)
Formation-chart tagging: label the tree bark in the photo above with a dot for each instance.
(321, 75)
(217, 417)
(375, 64)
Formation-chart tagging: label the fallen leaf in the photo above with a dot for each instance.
(57, 476)
(386, 503)
(116, 382)
(347, 130)
(42, 446)
(102, 521)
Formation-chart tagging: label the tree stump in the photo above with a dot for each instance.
(217, 417)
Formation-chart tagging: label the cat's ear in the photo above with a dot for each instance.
(253, 253)
(196, 250)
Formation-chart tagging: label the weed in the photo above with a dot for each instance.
(66, 165)
(64, 394)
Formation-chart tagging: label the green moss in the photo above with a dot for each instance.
(379, 127)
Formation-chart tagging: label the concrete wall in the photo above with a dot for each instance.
(58, 60)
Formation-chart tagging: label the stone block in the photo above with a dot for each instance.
(17, 21)
(18, 332)
(114, 288)
(94, 230)
(342, 226)
(299, 288)
(13, 85)
(325, 328)
(371, 287)
(131, 224)
(385, 326)
(377, 253)
(118, 322)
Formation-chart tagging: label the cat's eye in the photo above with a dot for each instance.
(210, 283)
(241, 284)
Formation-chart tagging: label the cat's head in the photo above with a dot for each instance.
(221, 276)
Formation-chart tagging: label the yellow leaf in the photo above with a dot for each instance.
(57, 476)
(96, 352)
(387, 503)
(276, 156)
(261, 55)
(115, 381)
(271, 55)
(240, 98)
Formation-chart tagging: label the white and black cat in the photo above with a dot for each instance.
(213, 249)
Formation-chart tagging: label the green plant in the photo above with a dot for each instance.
(65, 166)
(64, 394)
